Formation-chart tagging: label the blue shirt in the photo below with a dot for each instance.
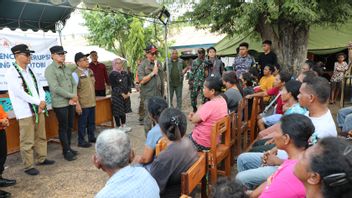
(153, 136)
(131, 182)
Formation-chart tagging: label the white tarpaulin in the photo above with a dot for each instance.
(40, 59)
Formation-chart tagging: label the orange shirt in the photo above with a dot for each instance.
(3, 115)
(266, 83)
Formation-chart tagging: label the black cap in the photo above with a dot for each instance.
(57, 49)
(151, 49)
(80, 55)
(21, 48)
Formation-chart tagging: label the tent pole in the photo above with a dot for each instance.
(59, 26)
(167, 67)
(60, 37)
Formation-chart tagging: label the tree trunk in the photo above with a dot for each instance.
(289, 42)
(267, 32)
(293, 41)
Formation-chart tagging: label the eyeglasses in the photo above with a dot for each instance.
(84, 59)
(153, 54)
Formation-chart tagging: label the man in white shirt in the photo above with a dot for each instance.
(314, 95)
(28, 102)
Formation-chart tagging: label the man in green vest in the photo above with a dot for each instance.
(177, 69)
(63, 91)
(151, 79)
(85, 107)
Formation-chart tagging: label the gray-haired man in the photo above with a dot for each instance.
(113, 155)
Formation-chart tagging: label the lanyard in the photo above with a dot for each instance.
(33, 107)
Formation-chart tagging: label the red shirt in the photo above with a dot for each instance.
(100, 75)
(273, 92)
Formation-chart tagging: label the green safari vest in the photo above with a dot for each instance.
(86, 88)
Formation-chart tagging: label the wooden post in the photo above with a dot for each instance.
(347, 76)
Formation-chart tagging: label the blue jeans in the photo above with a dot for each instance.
(344, 119)
(251, 173)
(86, 122)
(271, 120)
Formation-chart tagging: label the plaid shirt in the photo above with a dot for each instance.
(130, 182)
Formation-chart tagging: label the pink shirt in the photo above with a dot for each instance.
(283, 183)
(210, 112)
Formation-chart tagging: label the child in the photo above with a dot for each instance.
(340, 68)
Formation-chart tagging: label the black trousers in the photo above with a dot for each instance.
(120, 120)
(3, 150)
(65, 116)
(100, 93)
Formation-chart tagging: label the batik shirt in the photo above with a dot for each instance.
(242, 64)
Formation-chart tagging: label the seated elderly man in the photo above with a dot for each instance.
(113, 155)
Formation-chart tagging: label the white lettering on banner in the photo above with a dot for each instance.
(39, 60)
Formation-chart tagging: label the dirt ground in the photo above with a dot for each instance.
(78, 178)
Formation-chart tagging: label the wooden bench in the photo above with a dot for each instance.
(233, 125)
(196, 174)
(220, 151)
(242, 126)
(255, 111)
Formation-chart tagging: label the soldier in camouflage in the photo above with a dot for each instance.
(196, 78)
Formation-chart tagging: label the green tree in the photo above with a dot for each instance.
(136, 44)
(108, 30)
(154, 34)
(122, 34)
(285, 22)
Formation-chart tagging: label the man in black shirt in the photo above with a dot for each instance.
(268, 57)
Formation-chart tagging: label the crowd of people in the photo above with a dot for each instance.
(296, 154)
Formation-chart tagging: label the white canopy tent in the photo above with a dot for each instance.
(52, 14)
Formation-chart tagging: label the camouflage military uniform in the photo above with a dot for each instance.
(196, 78)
